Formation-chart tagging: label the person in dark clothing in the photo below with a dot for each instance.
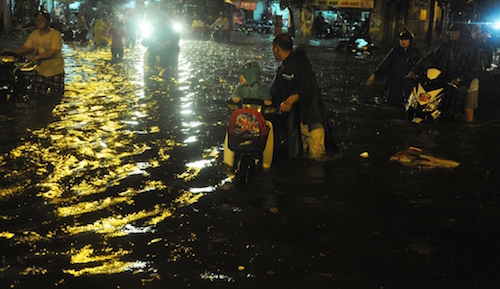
(118, 40)
(459, 63)
(318, 25)
(81, 27)
(297, 93)
(486, 49)
(165, 43)
(395, 66)
(485, 58)
(132, 26)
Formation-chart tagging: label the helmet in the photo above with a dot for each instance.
(45, 14)
(406, 34)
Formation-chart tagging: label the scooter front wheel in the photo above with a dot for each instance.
(244, 168)
(410, 114)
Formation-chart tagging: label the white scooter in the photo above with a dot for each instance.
(425, 103)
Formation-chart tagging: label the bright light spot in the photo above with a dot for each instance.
(139, 114)
(130, 122)
(146, 29)
(177, 27)
(143, 165)
(496, 25)
(139, 172)
(137, 266)
(129, 229)
(214, 276)
(190, 139)
(202, 190)
(199, 164)
(187, 111)
(192, 124)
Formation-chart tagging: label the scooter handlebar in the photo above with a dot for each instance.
(10, 53)
(253, 103)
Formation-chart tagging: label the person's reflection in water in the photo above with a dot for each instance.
(166, 71)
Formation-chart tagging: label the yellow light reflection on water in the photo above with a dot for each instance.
(88, 255)
(91, 164)
(112, 267)
(6, 235)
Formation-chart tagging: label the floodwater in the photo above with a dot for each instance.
(119, 184)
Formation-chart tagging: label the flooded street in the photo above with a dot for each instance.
(120, 184)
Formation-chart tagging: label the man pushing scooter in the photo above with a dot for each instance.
(44, 48)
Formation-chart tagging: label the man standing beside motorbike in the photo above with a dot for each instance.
(459, 63)
(81, 28)
(220, 28)
(44, 46)
(395, 66)
(295, 89)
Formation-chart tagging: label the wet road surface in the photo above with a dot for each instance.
(120, 184)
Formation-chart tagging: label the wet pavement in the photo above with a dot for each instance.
(120, 184)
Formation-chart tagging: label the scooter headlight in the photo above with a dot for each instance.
(146, 29)
(177, 27)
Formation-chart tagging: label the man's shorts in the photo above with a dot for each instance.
(41, 84)
(471, 101)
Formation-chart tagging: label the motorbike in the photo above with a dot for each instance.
(249, 136)
(162, 43)
(358, 44)
(219, 35)
(250, 26)
(426, 102)
(325, 31)
(16, 75)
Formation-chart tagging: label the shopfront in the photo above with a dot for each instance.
(340, 15)
(243, 10)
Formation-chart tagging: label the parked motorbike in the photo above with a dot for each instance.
(16, 75)
(250, 26)
(247, 136)
(325, 31)
(358, 44)
(426, 102)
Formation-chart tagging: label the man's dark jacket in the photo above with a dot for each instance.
(457, 59)
(295, 75)
(395, 66)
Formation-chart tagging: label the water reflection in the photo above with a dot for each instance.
(102, 168)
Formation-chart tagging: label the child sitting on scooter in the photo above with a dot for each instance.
(250, 87)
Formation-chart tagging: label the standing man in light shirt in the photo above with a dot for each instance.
(44, 46)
